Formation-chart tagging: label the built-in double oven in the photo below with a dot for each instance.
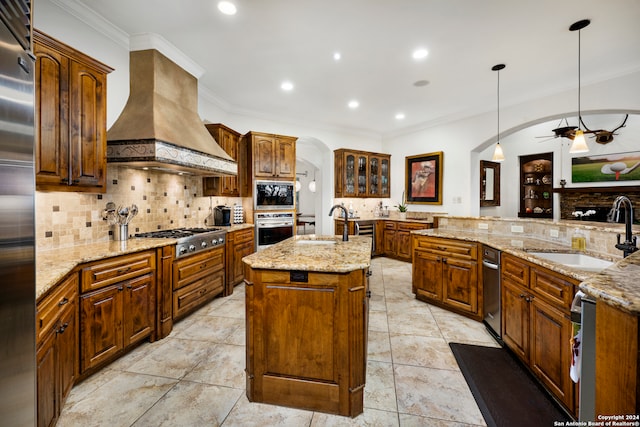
(274, 203)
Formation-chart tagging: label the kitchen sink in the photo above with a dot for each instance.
(574, 260)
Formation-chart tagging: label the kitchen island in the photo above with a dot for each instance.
(306, 323)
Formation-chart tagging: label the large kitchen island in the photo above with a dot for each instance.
(307, 314)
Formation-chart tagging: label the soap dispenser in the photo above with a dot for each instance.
(578, 241)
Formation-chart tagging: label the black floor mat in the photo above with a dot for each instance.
(506, 393)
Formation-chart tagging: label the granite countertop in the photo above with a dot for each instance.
(385, 218)
(309, 253)
(53, 265)
(616, 285)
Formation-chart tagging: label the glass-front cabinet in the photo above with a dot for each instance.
(536, 186)
(361, 174)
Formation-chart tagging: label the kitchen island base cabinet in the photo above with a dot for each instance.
(306, 339)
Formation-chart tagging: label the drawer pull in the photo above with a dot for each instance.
(63, 327)
(64, 301)
(124, 270)
(120, 288)
(368, 294)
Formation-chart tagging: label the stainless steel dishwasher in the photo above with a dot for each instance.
(491, 291)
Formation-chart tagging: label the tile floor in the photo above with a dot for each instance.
(195, 376)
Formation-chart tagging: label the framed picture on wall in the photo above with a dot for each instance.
(423, 178)
(606, 168)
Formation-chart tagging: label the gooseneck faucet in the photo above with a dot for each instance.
(629, 245)
(345, 228)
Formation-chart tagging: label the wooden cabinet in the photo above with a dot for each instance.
(229, 186)
(445, 273)
(272, 156)
(70, 114)
(536, 186)
(536, 323)
(361, 174)
(318, 367)
(197, 278)
(164, 291)
(240, 243)
(56, 349)
(396, 240)
(117, 306)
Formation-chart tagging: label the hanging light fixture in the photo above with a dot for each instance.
(498, 155)
(312, 184)
(579, 144)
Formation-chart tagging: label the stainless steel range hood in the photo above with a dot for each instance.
(160, 127)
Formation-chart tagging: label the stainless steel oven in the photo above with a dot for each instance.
(272, 195)
(272, 227)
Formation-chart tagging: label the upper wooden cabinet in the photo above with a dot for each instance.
(70, 113)
(536, 186)
(230, 186)
(361, 174)
(272, 156)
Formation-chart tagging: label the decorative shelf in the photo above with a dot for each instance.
(617, 189)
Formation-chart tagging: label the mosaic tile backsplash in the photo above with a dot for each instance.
(164, 201)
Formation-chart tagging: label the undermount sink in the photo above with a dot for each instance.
(574, 260)
(315, 242)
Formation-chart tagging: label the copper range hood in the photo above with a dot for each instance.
(159, 127)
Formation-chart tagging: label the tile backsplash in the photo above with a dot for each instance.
(164, 200)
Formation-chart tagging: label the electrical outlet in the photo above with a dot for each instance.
(517, 229)
(554, 232)
(483, 226)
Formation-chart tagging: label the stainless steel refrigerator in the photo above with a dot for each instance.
(17, 240)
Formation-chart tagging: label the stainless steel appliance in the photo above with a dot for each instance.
(222, 215)
(17, 236)
(190, 240)
(367, 228)
(491, 291)
(583, 315)
(272, 227)
(273, 195)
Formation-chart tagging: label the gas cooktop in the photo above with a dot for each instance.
(190, 240)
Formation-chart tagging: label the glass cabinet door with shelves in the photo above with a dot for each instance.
(536, 186)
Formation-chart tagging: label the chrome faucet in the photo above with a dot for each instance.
(345, 228)
(629, 245)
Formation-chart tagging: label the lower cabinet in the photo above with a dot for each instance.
(536, 323)
(396, 240)
(445, 273)
(57, 349)
(117, 307)
(197, 279)
(240, 243)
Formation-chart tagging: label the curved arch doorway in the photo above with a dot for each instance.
(314, 157)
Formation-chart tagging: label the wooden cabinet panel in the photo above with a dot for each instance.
(274, 156)
(193, 295)
(449, 279)
(515, 270)
(515, 319)
(101, 326)
(139, 316)
(70, 111)
(229, 140)
(113, 270)
(57, 349)
(164, 291)
(555, 288)
(240, 243)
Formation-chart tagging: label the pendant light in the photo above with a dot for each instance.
(579, 144)
(312, 184)
(498, 155)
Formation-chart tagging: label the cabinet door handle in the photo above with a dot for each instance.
(368, 293)
(129, 287)
(64, 301)
(63, 327)
(124, 270)
(444, 260)
(522, 295)
(120, 288)
(369, 273)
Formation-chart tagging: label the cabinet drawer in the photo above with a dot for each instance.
(452, 248)
(515, 269)
(409, 226)
(196, 293)
(194, 267)
(390, 225)
(556, 289)
(117, 269)
(243, 236)
(50, 308)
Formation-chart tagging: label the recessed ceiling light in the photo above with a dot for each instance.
(287, 86)
(421, 83)
(227, 7)
(420, 53)
(337, 56)
(353, 104)
(400, 116)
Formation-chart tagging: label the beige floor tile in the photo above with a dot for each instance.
(407, 420)
(174, 358)
(211, 328)
(249, 414)
(369, 418)
(379, 392)
(224, 366)
(379, 347)
(191, 404)
(428, 352)
(435, 393)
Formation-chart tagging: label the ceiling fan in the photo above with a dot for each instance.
(601, 136)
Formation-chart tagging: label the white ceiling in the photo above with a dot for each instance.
(247, 56)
